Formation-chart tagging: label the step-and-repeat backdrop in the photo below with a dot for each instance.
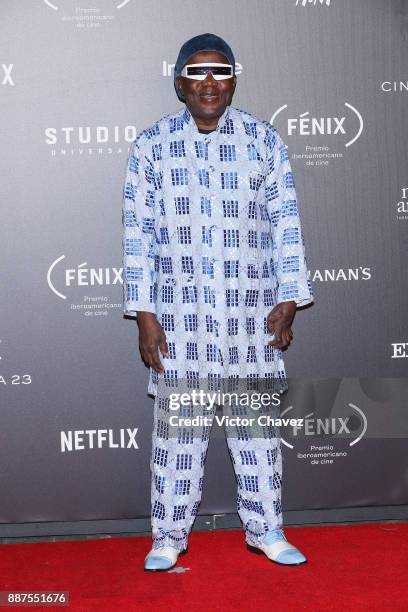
(78, 81)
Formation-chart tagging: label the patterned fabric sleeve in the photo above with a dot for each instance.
(139, 276)
(290, 264)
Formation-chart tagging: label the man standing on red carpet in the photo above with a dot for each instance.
(213, 261)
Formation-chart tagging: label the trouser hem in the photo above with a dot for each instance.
(255, 540)
(179, 545)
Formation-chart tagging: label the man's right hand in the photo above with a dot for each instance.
(151, 339)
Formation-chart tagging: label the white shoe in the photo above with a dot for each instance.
(276, 547)
(160, 559)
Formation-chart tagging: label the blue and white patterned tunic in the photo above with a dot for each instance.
(212, 242)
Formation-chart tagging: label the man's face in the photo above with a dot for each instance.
(209, 98)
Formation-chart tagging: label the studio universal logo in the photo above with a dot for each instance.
(71, 140)
(344, 128)
(63, 280)
(95, 14)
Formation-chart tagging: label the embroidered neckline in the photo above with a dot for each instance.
(189, 120)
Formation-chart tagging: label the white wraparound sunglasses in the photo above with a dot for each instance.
(198, 72)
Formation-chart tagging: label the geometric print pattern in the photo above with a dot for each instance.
(177, 469)
(212, 241)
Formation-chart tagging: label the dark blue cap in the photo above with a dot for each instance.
(202, 42)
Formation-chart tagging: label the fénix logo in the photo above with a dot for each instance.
(7, 79)
(81, 276)
(95, 14)
(393, 86)
(312, 2)
(342, 274)
(399, 350)
(89, 140)
(402, 205)
(168, 68)
(352, 425)
(91, 439)
(337, 125)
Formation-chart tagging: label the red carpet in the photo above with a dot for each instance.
(356, 567)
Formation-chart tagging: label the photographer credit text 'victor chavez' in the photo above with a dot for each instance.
(191, 407)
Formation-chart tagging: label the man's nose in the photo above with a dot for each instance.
(210, 77)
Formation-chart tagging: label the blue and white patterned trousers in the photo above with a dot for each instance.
(177, 469)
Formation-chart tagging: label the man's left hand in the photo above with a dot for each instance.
(279, 323)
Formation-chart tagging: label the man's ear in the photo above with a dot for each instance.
(233, 86)
(179, 86)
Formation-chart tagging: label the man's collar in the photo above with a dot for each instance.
(190, 122)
